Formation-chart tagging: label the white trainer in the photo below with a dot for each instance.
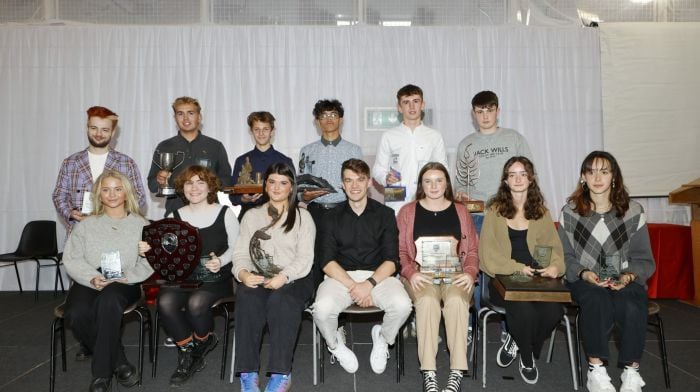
(599, 381)
(345, 357)
(631, 381)
(380, 350)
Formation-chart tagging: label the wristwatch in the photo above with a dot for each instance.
(372, 281)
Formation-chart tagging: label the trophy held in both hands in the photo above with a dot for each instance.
(167, 162)
(438, 259)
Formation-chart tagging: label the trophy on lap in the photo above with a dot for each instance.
(166, 161)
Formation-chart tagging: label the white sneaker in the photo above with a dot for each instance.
(631, 381)
(380, 350)
(599, 381)
(345, 357)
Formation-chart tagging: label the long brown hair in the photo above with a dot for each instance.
(420, 193)
(619, 197)
(503, 200)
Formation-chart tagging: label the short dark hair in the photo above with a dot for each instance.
(356, 165)
(263, 117)
(485, 98)
(205, 175)
(409, 89)
(420, 192)
(327, 105)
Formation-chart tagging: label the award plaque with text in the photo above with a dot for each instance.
(175, 251)
(437, 258)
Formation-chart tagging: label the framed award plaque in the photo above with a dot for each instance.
(437, 257)
(175, 251)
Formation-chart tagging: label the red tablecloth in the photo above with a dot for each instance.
(671, 245)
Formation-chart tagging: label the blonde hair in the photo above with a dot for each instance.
(130, 204)
(186, 100)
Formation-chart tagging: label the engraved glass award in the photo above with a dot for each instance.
(111, 265)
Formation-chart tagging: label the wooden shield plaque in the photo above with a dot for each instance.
(175, 250)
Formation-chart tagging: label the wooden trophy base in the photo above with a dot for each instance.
(250, 189)
(474, 205)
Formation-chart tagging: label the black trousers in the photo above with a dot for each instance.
(529, 323)
(281, 311)
(602, 309)
(96, 320)
(184, 311)
(317, 214)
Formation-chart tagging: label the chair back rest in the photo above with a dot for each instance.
(38, 240)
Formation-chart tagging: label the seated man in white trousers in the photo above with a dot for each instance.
(360, 260)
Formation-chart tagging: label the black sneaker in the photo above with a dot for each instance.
(507, 352)
(430, 381)
(187, 364)
(204, 347)
(529, 374)
(454, 381)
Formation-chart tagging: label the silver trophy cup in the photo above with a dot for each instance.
(167, 161)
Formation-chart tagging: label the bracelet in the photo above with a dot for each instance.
(580, 274)
(372, 281)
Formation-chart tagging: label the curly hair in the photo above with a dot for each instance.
(205, 175)
(619, 197)
(327, 105)
(503, 199)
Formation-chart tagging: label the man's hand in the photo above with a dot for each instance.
(392, 177)
(361, 294)
(462, 197)
(76, 215)
(250, 198)
(162, 177)
(310, 195)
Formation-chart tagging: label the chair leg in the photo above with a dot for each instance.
(475, 340)
(315, 350)
(664, 354)
(233, 359)
(36, 290)
(224, 352)
(578, 348)
(550, 351)
(19, 282)
(56, 328)
(486, 315)
(141, 325)
(570, 346)
(156, 333)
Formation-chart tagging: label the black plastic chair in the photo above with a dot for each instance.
(38, 242)
(58, 327)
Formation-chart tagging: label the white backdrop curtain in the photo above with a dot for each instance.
(548, 81)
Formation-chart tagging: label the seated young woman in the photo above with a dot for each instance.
(272, 259)
(608, 262)
(434, 213)
(96, 303)
(515, 224)
(186, 314)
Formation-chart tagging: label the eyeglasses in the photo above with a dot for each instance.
(481, 111)
(327, 115)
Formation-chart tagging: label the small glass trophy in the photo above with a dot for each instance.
(609, 266)
(437, 258)
(542, 256)
(111, 265)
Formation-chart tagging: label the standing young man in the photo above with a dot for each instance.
(190, 147)
(262, 127)
(481, 155)
(71, 196)
(359, 256)
(405, 149)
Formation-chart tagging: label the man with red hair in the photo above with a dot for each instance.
(72, 193)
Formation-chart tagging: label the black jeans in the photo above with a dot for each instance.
(318, 213)
(281, 311)
(96, 320)
(529, 323)
(602, 309)
(186, 311)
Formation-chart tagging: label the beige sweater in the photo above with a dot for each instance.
(292, 251)
(495, 248)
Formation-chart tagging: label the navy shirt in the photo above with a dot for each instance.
(260, 160)
(359, 242)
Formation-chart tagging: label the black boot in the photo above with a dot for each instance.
(187, 364)
(126, 374)
(204, 347)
